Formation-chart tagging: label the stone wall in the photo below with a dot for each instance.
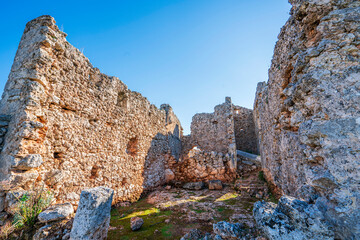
(308, 113)
(244, 128)
(214, 131)
(198, 165)
(73, 127)
(209, 152)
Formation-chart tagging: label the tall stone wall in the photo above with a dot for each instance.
(244, 129)
(72, 127)
(308, 113)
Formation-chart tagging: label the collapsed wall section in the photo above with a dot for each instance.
(308, 113)
(73, 127)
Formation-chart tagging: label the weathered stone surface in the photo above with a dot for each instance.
(215, 185)
(308, 113)
(248, 158)
(29, 162)
(291, 219)
(194, 234)
(136, 223)
(194, 185)
(209, 152)
(169, 175)
(3, 217)
(89, 128)
(11, 200)
(214, 131)
(244, 129)
(228, 230)
(56, 212)
(93, 214)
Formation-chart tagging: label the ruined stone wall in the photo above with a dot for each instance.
(308, 113)
(244, 128)
(214, 131)
(209, 152)
(73, 127)
(198, 165)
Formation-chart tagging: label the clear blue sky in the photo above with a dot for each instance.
(188, 53)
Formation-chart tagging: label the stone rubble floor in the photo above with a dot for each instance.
(170, 214)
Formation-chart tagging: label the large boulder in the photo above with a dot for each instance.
(56, 212)
(291, 219)
(92, 218)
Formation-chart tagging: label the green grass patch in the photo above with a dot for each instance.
(166, 230)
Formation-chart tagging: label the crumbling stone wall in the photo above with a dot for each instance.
(73, 127)
(244, 128)
(209, 152)
(198, 165)
(308, 113)
(214, 131)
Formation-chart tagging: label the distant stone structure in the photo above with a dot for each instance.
(209, 152)
(70, 127)
(308, 113)
(244, 125)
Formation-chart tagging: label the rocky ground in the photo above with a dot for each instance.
(171, 213)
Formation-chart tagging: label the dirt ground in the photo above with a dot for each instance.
(170, 214)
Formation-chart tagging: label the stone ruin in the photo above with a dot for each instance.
(210, 151)
(308, 114)
(71, 127)
(68, 126)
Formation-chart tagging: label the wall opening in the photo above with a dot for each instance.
(132, 146)
(94, 172)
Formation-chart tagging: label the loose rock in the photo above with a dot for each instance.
(136, 223)
(56, 212)
(215, 185)
(194, 185)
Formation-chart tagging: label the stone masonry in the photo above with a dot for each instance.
(308, 113)
(245, 136)
(209, 152)
(71, 127)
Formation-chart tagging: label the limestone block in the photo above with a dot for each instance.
(92, 217)
(56, 212)
(29, 162)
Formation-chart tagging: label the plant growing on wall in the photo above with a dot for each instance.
(30, 205)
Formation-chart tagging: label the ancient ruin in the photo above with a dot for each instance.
(210, 151)
(68, 128)
(71, 127)
(307, 115)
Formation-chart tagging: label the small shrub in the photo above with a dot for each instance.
(30, 205)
